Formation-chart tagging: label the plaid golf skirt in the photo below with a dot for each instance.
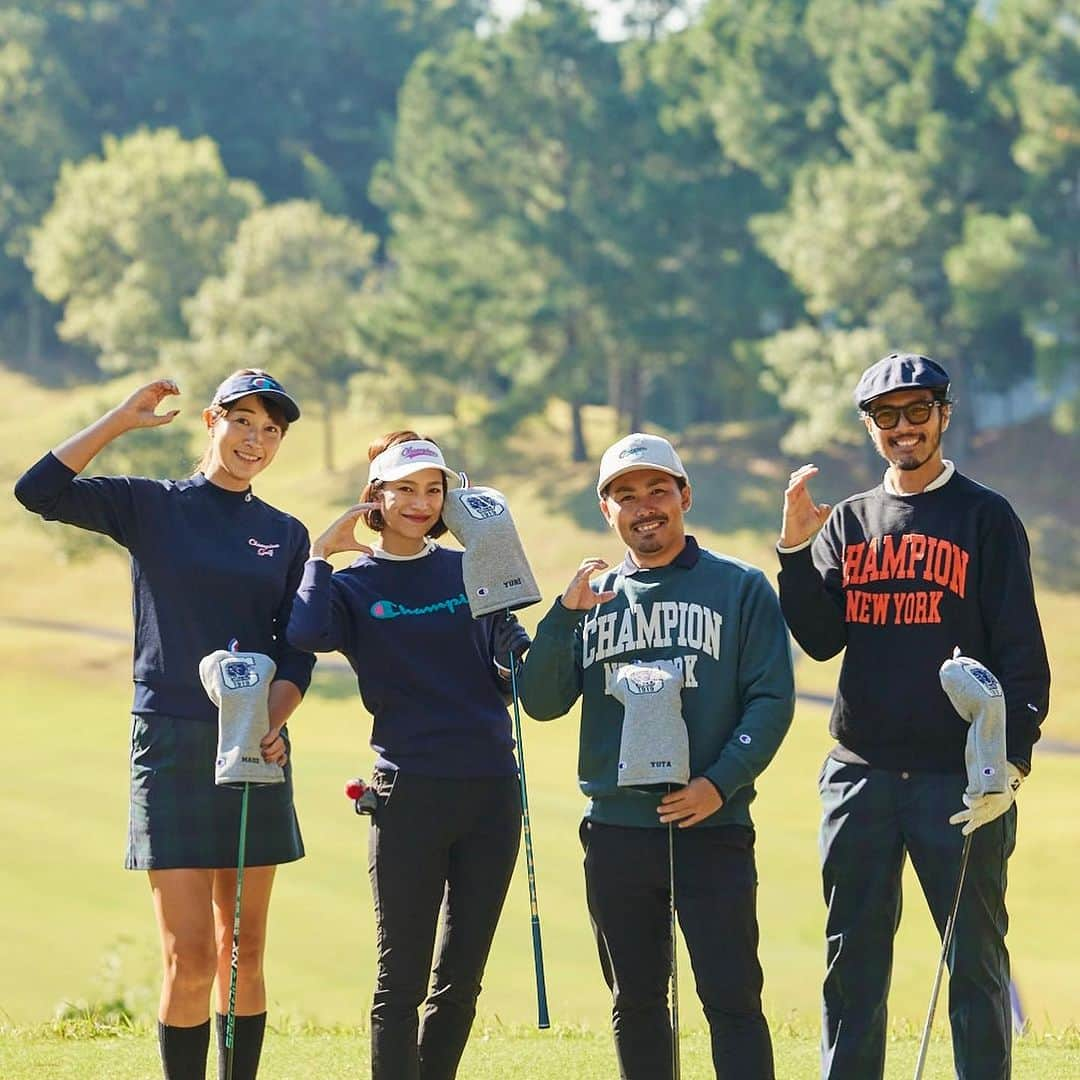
(180, 818)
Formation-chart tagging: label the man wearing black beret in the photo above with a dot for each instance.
(896, 577)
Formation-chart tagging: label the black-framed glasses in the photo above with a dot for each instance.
(887, 417)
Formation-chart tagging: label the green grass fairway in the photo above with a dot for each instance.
(78, 927)
(495, 1053)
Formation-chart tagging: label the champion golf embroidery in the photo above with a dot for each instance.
(263, 549)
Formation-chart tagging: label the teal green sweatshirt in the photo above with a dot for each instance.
(716, 618)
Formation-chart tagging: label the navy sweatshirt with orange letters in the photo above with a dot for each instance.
(898, 581)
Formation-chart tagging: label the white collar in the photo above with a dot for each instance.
(389, 556)
(939, 481)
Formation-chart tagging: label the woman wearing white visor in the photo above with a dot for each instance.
(446, 830)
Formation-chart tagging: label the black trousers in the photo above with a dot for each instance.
(873, 819)
(436, 844)
(627, 887)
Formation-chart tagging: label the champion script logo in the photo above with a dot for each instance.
(263, 549)
(410, 453)
(389, 609)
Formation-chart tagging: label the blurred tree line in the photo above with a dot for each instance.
(407, 201)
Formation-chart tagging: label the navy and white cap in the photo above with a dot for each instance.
(237, 386)
(405, 458)
(900, 371)
(638, 451)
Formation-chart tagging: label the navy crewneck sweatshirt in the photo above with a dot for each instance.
(422, 662)
(207, 565)
(897, 582)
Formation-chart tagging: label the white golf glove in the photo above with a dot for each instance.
(982, 809)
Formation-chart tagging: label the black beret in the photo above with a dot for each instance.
(900, 371)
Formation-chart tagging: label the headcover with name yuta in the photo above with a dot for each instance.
(978, 697)
(497, 574)
(655, 747)
(239, 685)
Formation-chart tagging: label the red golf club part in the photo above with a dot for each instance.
(362, 795)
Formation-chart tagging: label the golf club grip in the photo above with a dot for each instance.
(946, 939)
(676, 1068)
(234, 965)
(543, 1020)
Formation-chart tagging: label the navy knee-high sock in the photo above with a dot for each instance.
(183, 1050)
(247, 1045)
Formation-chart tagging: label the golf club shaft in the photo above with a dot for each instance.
(675, 1071)
(946, 940)
(234, 966)
(543, 1020)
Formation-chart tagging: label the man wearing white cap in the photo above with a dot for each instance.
(714, 624)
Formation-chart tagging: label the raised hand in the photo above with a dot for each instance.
(579, 594)
(340, 534)
(802, 516)
(139, 409)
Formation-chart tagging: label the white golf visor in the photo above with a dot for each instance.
(405, 458)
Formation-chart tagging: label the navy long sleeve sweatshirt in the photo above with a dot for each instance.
(207, 565)
(898, 581)
(423, 663)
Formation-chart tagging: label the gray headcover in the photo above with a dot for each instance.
(239, 685)
(497, 574)
(655, 748)
(977, 696)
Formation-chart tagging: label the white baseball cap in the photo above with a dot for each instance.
(405, 458)
(638, 451)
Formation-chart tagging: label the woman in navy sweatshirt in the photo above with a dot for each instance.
(446, 830)
(209, 562)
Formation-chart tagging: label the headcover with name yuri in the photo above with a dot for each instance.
(496, 572)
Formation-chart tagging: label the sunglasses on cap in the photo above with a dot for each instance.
(887, 417)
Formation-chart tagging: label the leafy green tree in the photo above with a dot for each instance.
(807, 364)
(290, 298)
(907, 219)
(565, 225)
(130, 236)
(1018, 264)
(695, 290)
(505, 172)
(36, 94)
(765, 87)
(300, 95)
